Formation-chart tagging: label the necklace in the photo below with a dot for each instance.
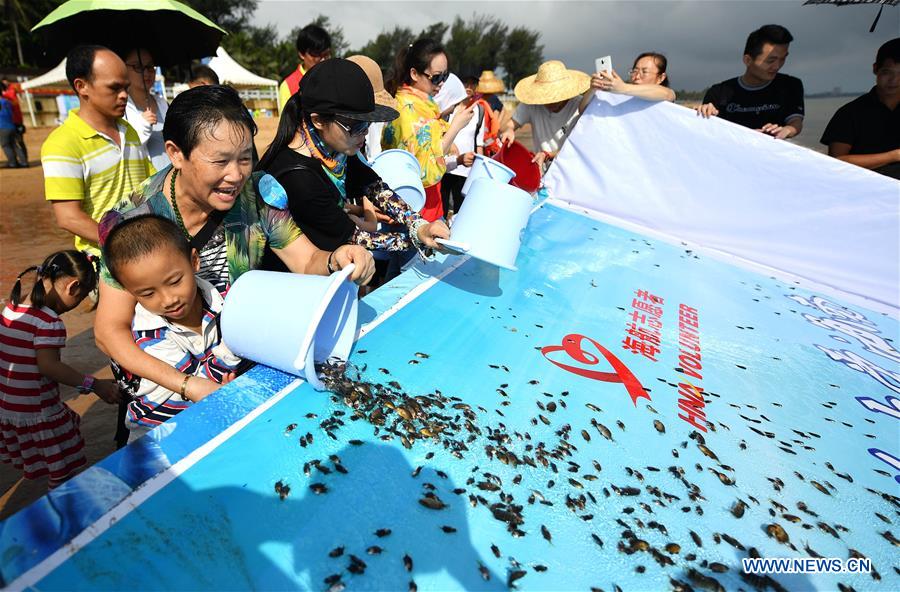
(178, 217)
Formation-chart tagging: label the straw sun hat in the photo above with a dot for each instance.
(552, 83)
(489, 84)
(373, 72)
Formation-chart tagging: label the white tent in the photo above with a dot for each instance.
(55, 76)
(231, 72)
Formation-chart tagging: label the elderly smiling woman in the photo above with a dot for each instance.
(228, 213)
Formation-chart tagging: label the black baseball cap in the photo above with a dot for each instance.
(340, 87)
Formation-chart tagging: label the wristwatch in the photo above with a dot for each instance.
(87, 385)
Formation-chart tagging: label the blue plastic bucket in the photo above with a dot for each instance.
(490, 223)
(401, 172)
(291, 321)
(487, 168)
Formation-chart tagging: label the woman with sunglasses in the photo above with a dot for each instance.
(419, 72)
(649, 80)
(315, 158)
(145, 111)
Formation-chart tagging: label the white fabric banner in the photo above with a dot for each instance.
(734, 190)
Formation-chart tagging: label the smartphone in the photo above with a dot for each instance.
(603, 64)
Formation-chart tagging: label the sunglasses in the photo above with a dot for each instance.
(142, 68)
(353, 128)
(438, 78)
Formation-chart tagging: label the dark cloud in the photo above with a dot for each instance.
(703, 40)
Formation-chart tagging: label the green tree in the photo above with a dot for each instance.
(258, 50)
(521, 55)
(385, 47)
(18, 45)
(232, 15)
(434, 31)
(475, 45)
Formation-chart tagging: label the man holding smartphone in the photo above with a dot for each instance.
(761, 98)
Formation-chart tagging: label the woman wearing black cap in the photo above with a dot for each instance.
(314, 157)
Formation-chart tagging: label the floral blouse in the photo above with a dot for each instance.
(252, 222)
(419, 130)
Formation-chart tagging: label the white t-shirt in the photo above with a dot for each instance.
(150, 135)
(546, 126)
(373, 140)
(466, 141)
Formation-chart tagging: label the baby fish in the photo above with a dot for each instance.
(660, 427)
(513, 576)
(778, 533)
(604, 431)
(546, 534)
(318, 488)
(382, 532)
(448, 529)
(432, 502)
(336, 552)
(485, 573)
(408, 563)
(820, 487)
(737, 510)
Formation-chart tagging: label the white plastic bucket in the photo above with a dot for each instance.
(487, 168)
(290, 321)
(402, 173)
(490, 222)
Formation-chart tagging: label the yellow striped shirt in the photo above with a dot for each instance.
(82, 164)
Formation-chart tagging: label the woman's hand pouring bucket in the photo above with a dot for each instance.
(320, 324)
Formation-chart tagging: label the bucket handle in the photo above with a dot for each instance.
(454, 246)
(306, 361)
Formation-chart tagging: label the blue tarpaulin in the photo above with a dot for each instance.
(631, 412)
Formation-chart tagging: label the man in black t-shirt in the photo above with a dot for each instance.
(866, 131)
(761, 98)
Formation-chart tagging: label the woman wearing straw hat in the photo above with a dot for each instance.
(382, 97)
(486, 95)
(315, 158)
(550, 101)
(419, 72)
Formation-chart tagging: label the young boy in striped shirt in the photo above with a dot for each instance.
(175, 320)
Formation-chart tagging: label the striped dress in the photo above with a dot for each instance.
(38, 432)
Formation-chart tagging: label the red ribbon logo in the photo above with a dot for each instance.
(571, 344)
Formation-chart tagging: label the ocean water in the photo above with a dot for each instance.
(819, 112)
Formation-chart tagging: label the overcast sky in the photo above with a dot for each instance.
(703, 39)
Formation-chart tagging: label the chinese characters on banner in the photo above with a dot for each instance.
(643, 336)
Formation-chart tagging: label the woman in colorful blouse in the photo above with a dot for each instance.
(419, 72)
(315, 157)
(228, 213)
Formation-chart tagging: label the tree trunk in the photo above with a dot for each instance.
(15, 26)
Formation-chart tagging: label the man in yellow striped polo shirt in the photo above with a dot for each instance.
(94, 159)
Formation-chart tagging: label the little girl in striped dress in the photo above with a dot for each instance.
(38, 432)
